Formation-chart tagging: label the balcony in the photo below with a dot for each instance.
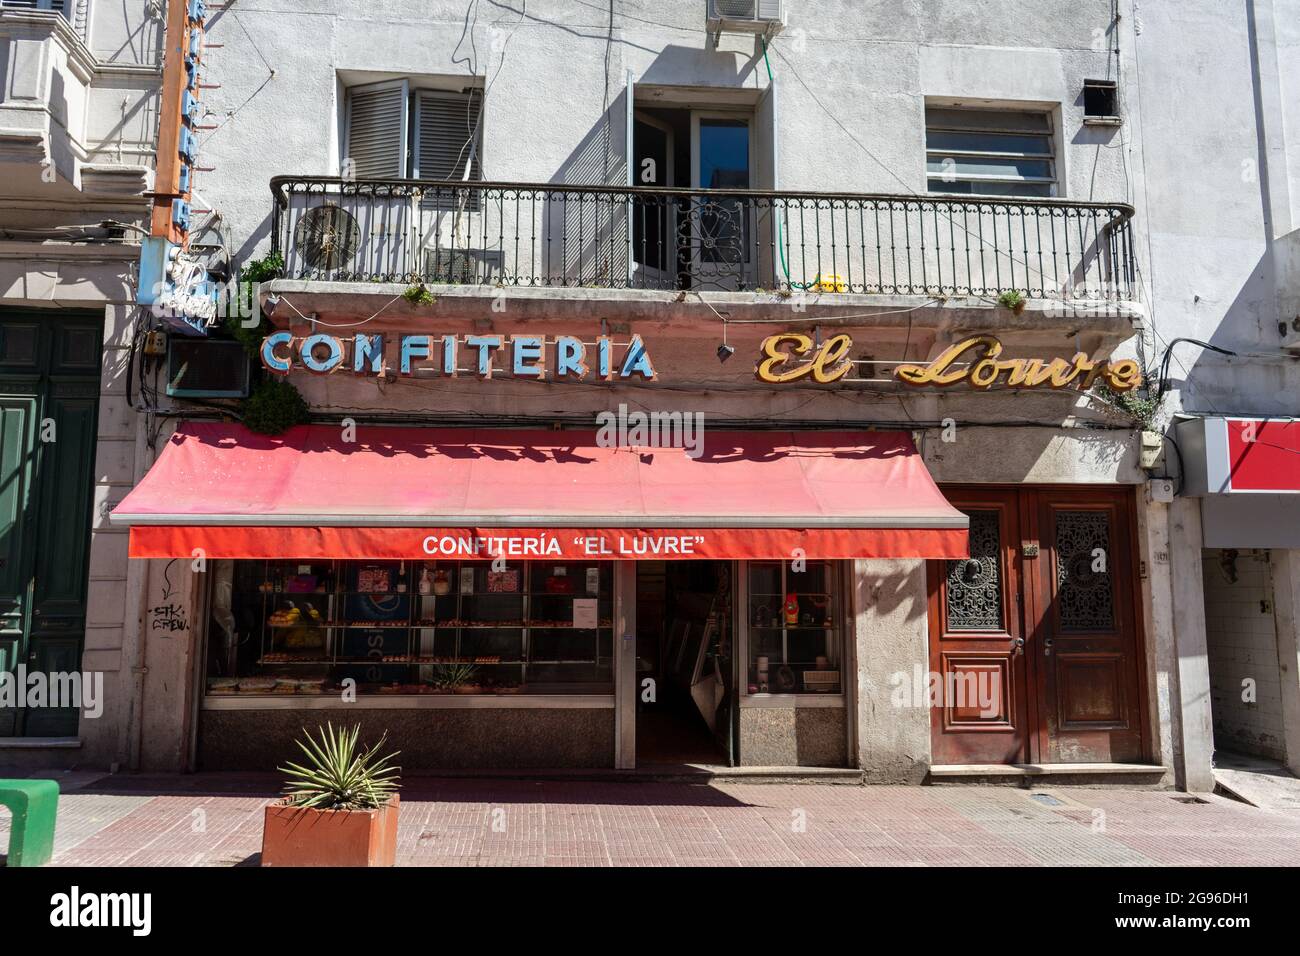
(745, 247)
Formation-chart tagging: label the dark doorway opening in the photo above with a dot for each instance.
(685, 686)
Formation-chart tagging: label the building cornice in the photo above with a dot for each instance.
(69, 251)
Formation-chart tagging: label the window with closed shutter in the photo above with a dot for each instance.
(377, 123)
(428, 134)
(448, 145)
(59, 6)
(448, 135)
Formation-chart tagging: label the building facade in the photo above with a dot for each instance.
(686, 387)
(78, 116)
(1225, 307)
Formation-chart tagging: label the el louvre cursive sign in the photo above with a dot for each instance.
(976, 362)
(792, 357)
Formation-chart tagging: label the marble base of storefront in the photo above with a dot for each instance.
(491, 737)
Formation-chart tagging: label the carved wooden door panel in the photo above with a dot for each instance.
(1087, 658)
(979, 713)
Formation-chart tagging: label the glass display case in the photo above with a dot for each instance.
(794, 628)
(403, 627)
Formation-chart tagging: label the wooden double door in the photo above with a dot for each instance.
(49, 401)
(1035, 643)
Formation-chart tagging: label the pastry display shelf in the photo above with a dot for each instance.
(335, 624)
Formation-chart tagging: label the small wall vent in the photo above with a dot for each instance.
(1101, 102)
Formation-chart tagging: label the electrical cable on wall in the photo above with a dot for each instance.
(785, 267)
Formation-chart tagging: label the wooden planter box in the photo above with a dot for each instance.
(299, 836)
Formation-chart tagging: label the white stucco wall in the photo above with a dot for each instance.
(1216, 90)
(1217, 183)
(554, 74)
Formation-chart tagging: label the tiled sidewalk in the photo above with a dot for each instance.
(216, 820)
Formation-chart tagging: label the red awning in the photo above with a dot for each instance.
(461, 493)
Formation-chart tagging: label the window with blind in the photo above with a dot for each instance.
(394, 131)
(990, 152)
(58, 6)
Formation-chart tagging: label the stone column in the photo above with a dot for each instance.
(1194, 747)
(890, 629)
(625, 688)
(1286, 616)
(172, 633)
(1160, 650)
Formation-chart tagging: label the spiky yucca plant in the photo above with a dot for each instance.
(452, 675)
(339, 774)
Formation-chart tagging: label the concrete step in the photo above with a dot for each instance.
(710, 773)
(1266, 784)
(668, 773)
(1058, 774)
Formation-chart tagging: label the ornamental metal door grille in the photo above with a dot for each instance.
(1084, 585)
(975, 583)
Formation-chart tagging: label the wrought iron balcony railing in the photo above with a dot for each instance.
(618, 237)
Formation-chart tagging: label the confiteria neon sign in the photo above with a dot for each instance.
(976, 361)
(525, 356)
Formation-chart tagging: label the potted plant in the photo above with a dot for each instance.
(1014, 300)
(339, 808)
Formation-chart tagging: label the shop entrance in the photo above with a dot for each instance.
(1248, 639)
(685, 685)
(1034, 642)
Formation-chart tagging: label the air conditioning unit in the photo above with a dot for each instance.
(763, 17)
(462, 266)
(206, 368)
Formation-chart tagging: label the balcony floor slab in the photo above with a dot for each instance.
(1107, 324)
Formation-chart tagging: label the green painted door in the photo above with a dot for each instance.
(17, 440)
(49, 399)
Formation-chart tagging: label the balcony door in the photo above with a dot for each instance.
(654, 218)
(697, 141)
(718, 232)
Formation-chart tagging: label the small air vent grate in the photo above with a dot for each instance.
(461, 266)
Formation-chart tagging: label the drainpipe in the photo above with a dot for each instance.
(137, 598)
(172, 184)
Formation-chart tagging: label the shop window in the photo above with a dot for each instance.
(794, 628)
(392, 627)
(990, 152)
